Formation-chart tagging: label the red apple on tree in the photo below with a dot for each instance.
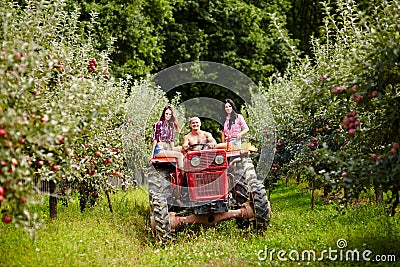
(351, 131)
(374, 94)
(116, 173)
(352, 112)
(22, 199)
(14, 162)
(336, 90)
(3, 133)
(7, 219)
(9, 144)
(357, 98)
(55, 168)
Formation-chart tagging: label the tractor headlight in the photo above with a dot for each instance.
(219, 159)
(195, 161)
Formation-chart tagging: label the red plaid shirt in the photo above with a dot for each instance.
(164, 131)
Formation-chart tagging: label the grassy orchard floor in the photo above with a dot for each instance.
(99, 238)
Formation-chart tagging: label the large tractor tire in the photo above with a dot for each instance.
(244, 171)
(159, 193)
(260, 205)
(241, 195)
(248, 188)
(240, 191)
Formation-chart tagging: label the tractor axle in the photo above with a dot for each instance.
(245, 212)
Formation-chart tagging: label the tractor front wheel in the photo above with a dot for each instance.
(159, 193)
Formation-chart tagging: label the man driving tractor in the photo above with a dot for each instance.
(197, 139)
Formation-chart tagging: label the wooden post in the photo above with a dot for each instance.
(312, 193)
(53, 199)
(109, 201)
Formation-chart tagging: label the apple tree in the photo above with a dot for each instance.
(344, 111)
(61, 111)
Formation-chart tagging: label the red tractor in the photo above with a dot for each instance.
(217, 185)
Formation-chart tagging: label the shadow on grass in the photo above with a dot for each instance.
(132, 214)
(293, 196)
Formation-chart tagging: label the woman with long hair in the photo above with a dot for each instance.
(164, 137)
(234, 126)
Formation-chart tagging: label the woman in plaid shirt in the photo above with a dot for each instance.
(164, 139)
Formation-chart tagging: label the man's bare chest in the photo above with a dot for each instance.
(198, 139)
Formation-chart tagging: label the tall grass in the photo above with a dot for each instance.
(123, 238)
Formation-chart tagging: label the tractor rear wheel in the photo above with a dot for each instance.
(239, 192)
(260, 205)
(244, 172)
(248, 188)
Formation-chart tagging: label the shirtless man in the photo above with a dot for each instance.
(197, 139)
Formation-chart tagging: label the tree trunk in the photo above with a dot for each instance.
(396, 202)
(378, 194)
(312, 193)
(109, 201)
(52, 199)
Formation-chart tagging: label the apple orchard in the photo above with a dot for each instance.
(66, 121)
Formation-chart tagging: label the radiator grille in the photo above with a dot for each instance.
(208, 185)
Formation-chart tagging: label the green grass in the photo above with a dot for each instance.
(99, 238)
